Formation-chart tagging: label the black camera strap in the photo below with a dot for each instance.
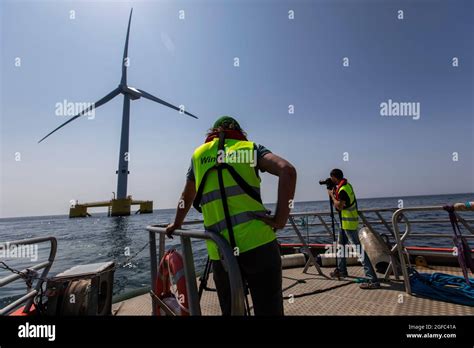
(225, 205)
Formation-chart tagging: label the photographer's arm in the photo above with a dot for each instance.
(338, 204)
(464, 206)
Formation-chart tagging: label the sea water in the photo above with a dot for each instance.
(100, 238)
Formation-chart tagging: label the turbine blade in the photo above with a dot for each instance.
(158, 100)
(125, 52)
(98, 103)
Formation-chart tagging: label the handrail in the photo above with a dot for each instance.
(388, 224)
(235, 278)
(369, 222)
(230, 263)
(401, 239)
(45, 265)
(391, 226)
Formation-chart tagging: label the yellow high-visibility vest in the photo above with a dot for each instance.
(349, 215)
(249, 232)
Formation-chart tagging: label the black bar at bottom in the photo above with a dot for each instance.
(285, 330)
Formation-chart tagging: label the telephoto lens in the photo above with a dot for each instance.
(328, 182)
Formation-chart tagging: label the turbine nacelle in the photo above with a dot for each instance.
(133, 93)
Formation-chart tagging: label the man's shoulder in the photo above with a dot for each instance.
(261, 150)
(203, 147)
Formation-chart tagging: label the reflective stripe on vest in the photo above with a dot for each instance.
(352, 207)
(230, 191)
(349, 216)
(249, 232)
(237, 219)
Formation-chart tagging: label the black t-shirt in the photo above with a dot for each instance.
(343, 196)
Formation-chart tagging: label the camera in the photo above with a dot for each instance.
(328, 182)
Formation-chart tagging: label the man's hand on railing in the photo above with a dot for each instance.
(170, 229)
(464, 206)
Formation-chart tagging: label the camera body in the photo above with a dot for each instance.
(328, 182)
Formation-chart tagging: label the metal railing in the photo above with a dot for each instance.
(400, 239)
(365, 215)
(374, 220)
(367, 221)
(371, 218)
(230, 263)
(399, 216)
(29, 297)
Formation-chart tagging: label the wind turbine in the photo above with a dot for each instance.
(129, 93)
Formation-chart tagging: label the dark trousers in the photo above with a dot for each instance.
(261, 271)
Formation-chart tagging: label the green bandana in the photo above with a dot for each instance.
(227, 122)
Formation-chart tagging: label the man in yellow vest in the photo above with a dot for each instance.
(223, 183)
(343, 197)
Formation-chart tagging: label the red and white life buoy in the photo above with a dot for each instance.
(19, 312)
(171, 284)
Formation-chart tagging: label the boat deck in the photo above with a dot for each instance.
(323, 296)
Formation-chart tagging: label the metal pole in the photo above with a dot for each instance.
(334, 232)
(235, 278)
(204, 277)
(230, 263)
(307, 249)
(46, 266)
(324, 224)
(190, 276)
(387, 226)
(399, 246)
(123, 155)
(464, 223)
(161, 246)
(154, 268)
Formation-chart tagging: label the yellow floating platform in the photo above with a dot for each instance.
(116, 207)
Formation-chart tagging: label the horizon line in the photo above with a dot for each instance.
(296, 202)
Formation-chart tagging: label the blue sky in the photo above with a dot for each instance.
(191, 62)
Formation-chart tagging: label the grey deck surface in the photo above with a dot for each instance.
(334, 297)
